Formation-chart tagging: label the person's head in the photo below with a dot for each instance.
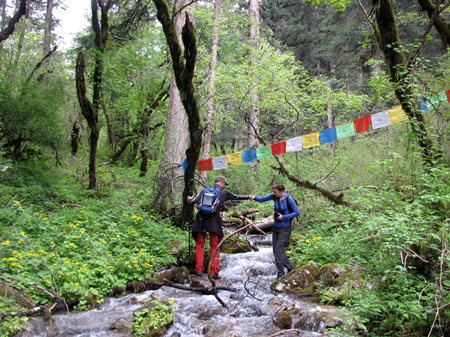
(221, 181)
(278, 189)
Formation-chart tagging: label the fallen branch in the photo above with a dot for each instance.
(202, 290)
(336, 198)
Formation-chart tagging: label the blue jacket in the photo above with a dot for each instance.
(281, 207)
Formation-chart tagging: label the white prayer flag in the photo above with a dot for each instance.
(219, 162)
(294, 144)
(380, 119)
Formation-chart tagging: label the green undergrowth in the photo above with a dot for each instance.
(396, 244)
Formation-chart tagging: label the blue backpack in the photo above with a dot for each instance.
(209, 200)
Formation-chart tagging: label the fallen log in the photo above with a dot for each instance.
(336, 198)
(202, 290)
(263, 225)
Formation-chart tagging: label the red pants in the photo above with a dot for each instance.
(199, 253)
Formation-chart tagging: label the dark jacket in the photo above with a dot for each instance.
(213, 223)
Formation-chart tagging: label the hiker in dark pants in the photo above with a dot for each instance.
(285, 209)
(211, 224)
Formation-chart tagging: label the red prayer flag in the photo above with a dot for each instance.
(205, 165)
(448, 95)
(278, 148)
(362, 124)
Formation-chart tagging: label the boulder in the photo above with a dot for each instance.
(298, 281)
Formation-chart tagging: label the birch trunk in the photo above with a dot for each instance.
(253, 121)
(211, 85)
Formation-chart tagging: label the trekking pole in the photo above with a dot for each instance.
(190, 193)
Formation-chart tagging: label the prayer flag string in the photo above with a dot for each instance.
(326, 136)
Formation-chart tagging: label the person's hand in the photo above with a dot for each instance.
(280, 217)
(251, 197)
(190, 197)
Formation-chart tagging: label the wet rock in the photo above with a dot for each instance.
(174, 274)
(121, 325)
(283, 319)
(236, 245)
(117, 292)
(207, 313)
(274, 301)
(305, 322)
(299, 281)
(135, 287)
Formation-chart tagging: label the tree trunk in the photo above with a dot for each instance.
(176, 139)
(6, 32)
(437, 20)
(183, 67)
(89, 113)
(330, 115)
(253, 121)
(390, 45)
(48, 27)
(211, 85)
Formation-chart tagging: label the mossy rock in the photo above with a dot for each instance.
(299, 281)
(236, 245)
(283, 319)
(329, 273)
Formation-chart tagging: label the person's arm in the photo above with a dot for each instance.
(230, 196)
(194, 200)
(268, 197)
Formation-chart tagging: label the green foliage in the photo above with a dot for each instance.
(152, 319)
(396, 242)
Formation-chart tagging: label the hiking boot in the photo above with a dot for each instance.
(198, 274)
(279, 275)
(215, 277)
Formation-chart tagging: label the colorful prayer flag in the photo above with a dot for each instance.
(311, 139)
(205, 165)
(328, 136)
(278, 148)
(380, 119)
(397, 114)
(423, 106)
(264, 152)
(346, 130)
(184, 165)
(249, 155)
(362, 124)
(219, 162)
(447, 92)
(234, 158)
(294, 144)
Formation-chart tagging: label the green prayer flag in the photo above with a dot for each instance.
(264, 152)
(346, 130)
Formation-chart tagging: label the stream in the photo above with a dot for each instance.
(250, 310)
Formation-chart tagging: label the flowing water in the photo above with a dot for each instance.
(249, 312)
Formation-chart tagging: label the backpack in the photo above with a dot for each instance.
(288, 204)
(209, 200)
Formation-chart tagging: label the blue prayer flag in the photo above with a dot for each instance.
(328, 136)
(184, 164)
(249, 155)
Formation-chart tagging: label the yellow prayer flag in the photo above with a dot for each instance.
(312, 139)
(234, 158)
(397, 114)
